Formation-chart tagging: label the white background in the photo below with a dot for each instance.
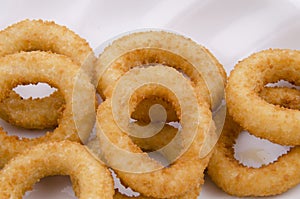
(230, 29)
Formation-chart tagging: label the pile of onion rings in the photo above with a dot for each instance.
(38, 35)
(131, 92)
(162, 94)
(173, 50)
(140, 172)
(34, 51)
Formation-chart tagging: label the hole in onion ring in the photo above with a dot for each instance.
(141, 111)
(49, 188)
(184, 74)
(152, 108)
(31, 92)
(34, 91)
(176, 125)
(283, 94)
(254, 152)
(42, 103)
(143, 114)
(283, 83)
(160, 139)
(121, 188)
(99, 98)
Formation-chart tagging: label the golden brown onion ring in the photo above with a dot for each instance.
(247, 80)
(134, 167)
(74, 85)
(90, 178)
(31, 35)
(272, 179)
(152, 145)
(158, 47)
(193, 193)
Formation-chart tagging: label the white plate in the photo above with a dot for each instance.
(231, 29)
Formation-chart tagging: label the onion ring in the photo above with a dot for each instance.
(31, 35)
(272, 179)
(280, 125)
(151, 146)
(90, 178)
(147, 48)
(133, 166)
(74, 85)
(158, 47)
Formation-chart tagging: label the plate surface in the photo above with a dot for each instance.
(231, 29)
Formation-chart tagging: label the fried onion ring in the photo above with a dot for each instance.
(158, 47)
(151, 146)
(74, 85)
(134, 167)
(90, 178)
(280, 125)
(272, 179)
(193, 193)
(31, 35)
